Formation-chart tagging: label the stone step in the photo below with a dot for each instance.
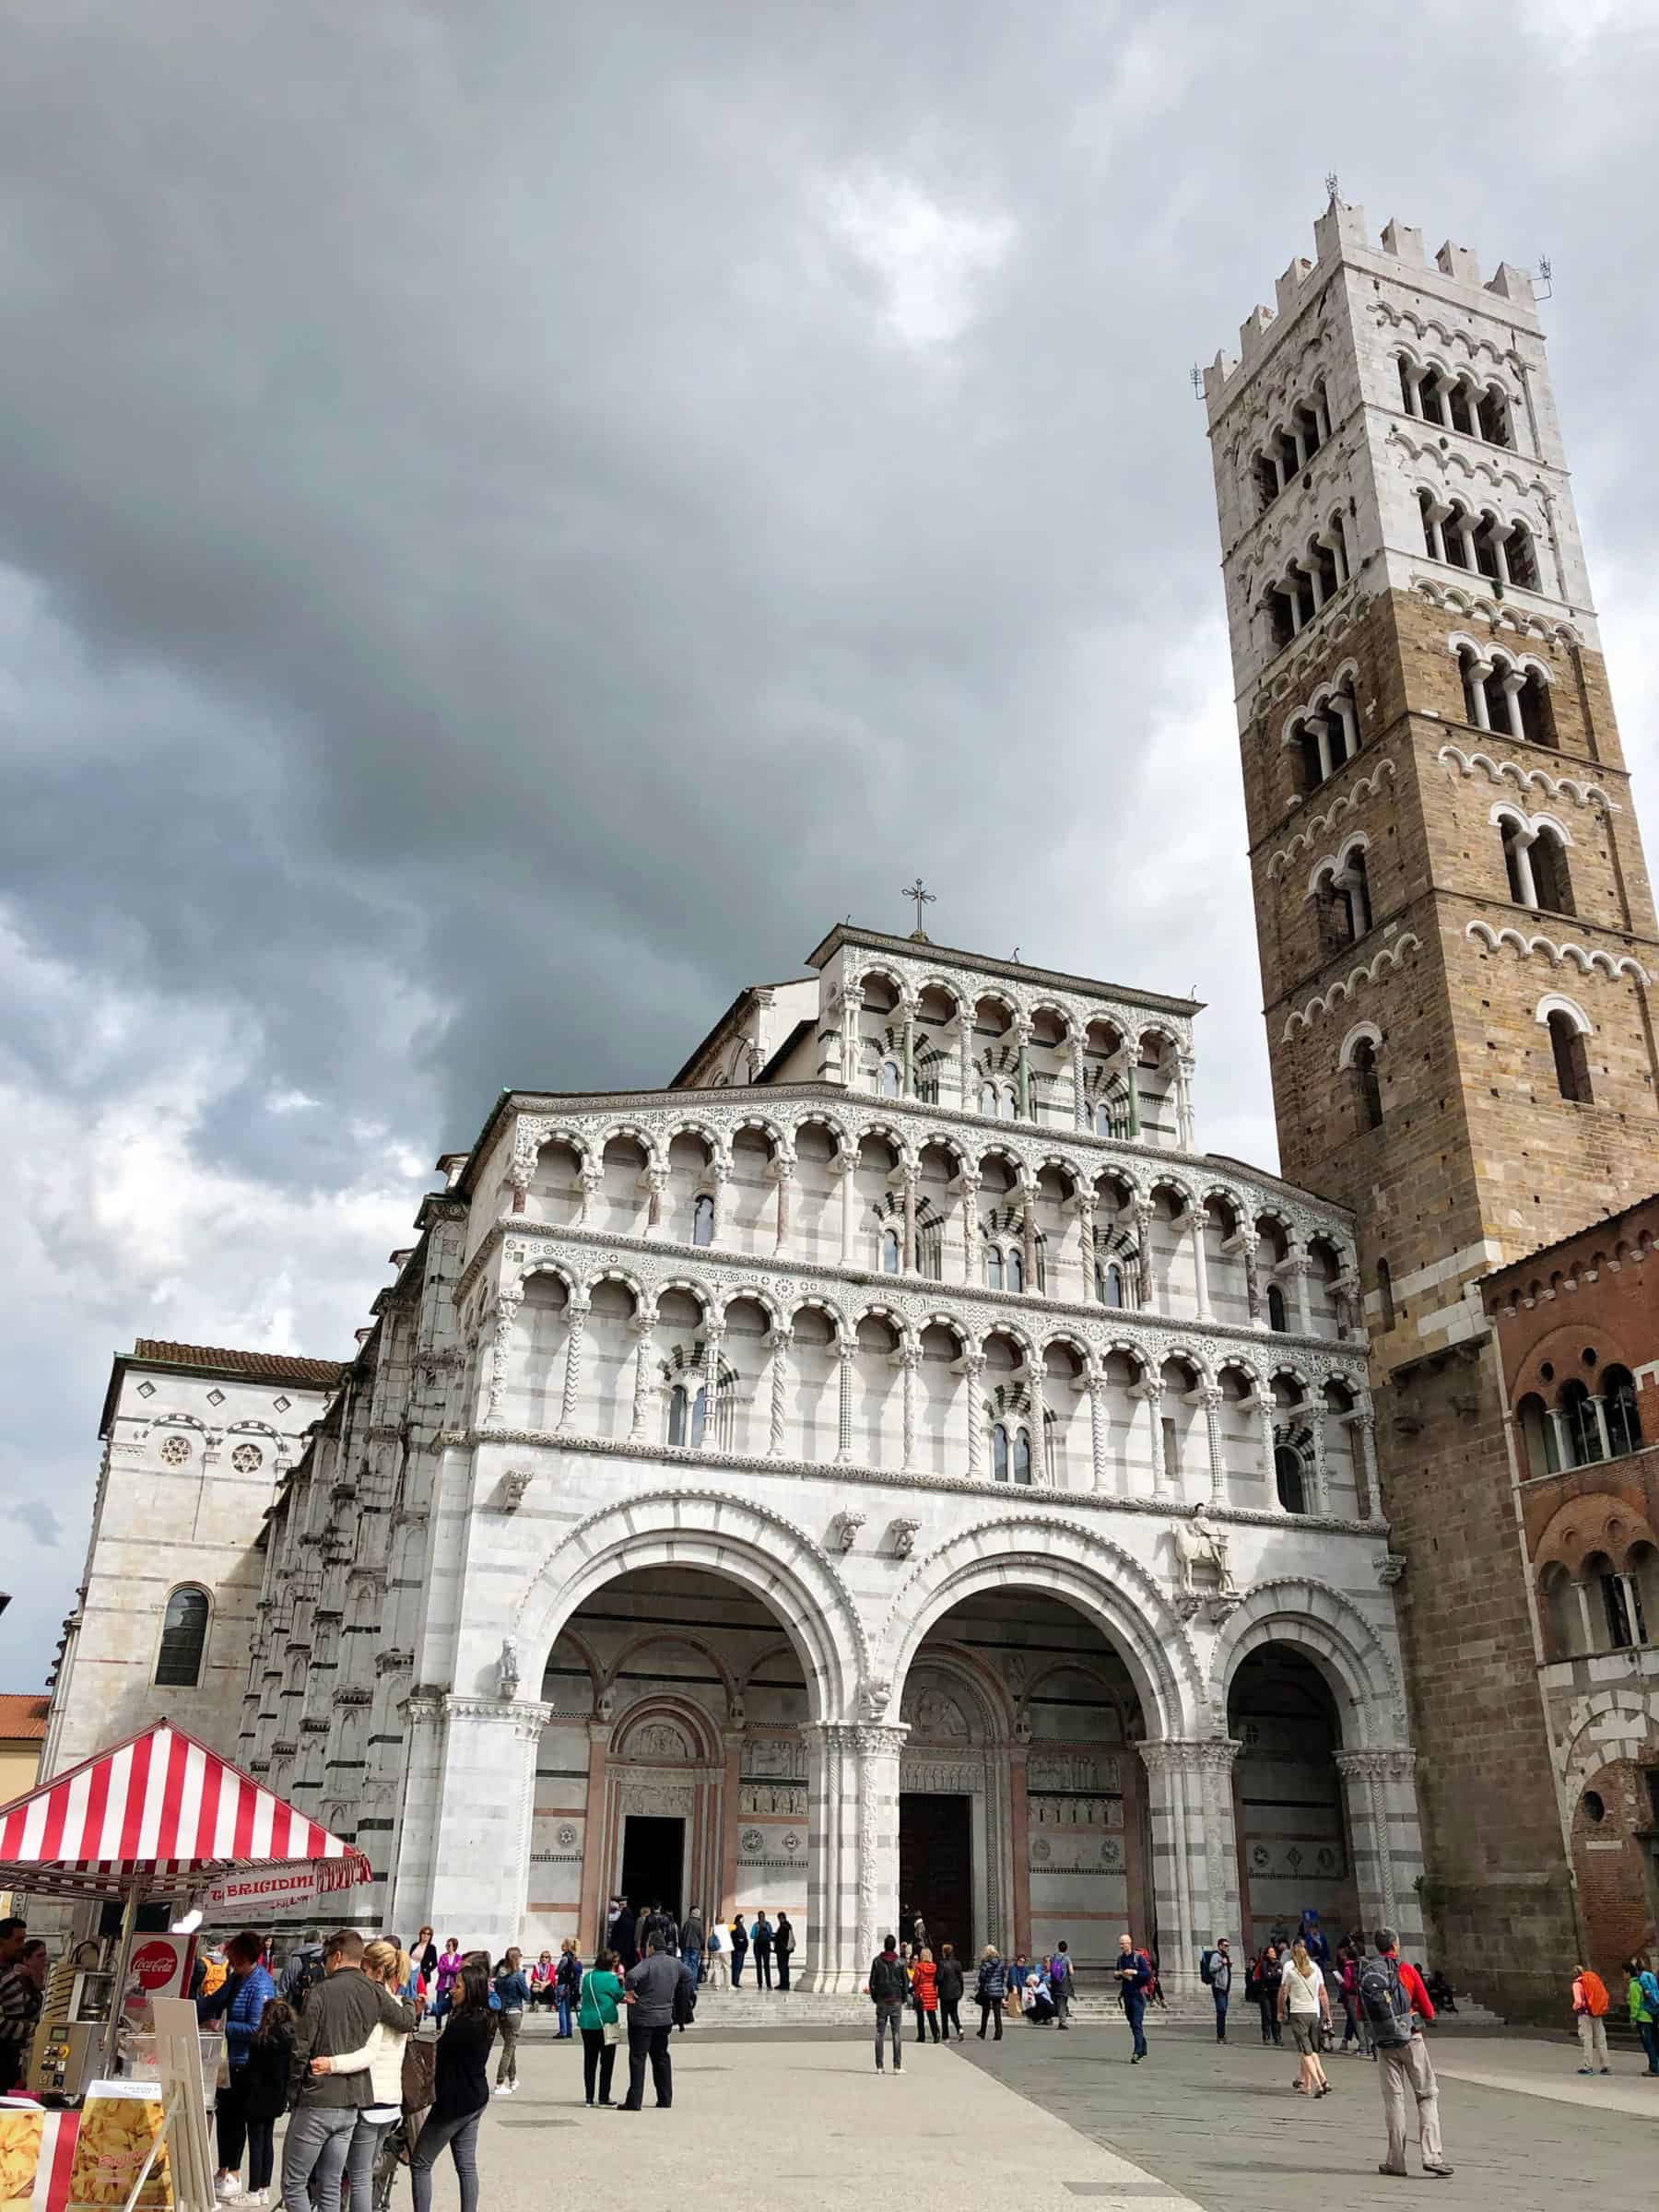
(801, 2008)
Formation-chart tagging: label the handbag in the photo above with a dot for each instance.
(607, 2028)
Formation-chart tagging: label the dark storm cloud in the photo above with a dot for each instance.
(519, 517)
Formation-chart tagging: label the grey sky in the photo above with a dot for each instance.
(514, 518)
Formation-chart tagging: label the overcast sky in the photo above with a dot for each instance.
(514, 518)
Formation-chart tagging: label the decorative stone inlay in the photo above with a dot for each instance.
(247, 1459)
(176, 1450)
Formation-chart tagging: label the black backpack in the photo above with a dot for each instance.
(1204, 1966)
(309, 1975)
(1384, 2003)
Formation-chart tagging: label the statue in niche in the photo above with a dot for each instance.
(934, 1714)
(1199, 1545)
(658, 1740)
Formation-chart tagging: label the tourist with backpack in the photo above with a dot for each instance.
(1216, 1970)
(1590, 2003)
(1133, 1980)
(887, 1988)
(1643, 1998)
(1062, 1983)
(1263, 1988)
(1395, 2004)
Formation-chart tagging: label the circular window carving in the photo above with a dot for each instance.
(1595, 1807)
(246, 1457)
(175, 1451)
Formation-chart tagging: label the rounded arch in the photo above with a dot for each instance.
(761, 1551)
(182, 1640)
(645, 1139)
(993, 1710)
(1353, 1658)
(683, 1639)
(754, 1294)
(1063, 1560)
(1362, 1032)
(1557, 1002)
(684, 1715)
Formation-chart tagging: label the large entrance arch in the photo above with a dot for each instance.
(1023, 1804)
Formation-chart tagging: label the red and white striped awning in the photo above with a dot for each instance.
(164, 1813)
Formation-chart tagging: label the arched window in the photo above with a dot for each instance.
(1620, 1410)
(1583, 1436)
(1386, 1292)
(930, 1250)
(994, 1267)
(988, 1100)
(1492, 413)
(1552, 887)
(688, 1414)
(1368, 1084)
(1110, 1282)
(1010, 1103)
(999, 1453)
(1521, 557)
(1355, 885)
(183, 1639)
(1022, 1456)
(1516, 861)
(1537, 711)
(889, 1251)
(1015, 1268)
(1275, 1309)
(1538, 1435)
(1622, 1605)
(1102, 1119)
(1287, 1479)
(889, 1079)
(702, 1220)
(1572, 1061)
(1042, 1264)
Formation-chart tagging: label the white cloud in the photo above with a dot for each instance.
(926, 265)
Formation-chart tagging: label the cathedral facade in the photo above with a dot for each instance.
(892, 1467)
(1457, 946)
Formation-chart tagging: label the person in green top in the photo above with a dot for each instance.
(1643, 1995)
(596, 2016)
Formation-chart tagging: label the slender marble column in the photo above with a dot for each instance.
(1022, 1033)
(572, 1370)
(849, 1211)
(973, 1367)
(908, 1357)
(642, 1324)
(786, 1174)
(1028, 1229)
(1364, 1425)
(712, 1334)
(779, 1342)
(1212, 1400)
(1252, 1278)
(1200, 1261)
(910, 1048)
(1079, 1094)
(912, 1176)
(846, 1353)
(1086, 1240)
(970, 1252)
(1098, 1430)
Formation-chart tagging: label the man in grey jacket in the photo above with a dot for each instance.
(650, 1988)
(339, 2012)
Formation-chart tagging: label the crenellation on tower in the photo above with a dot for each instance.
(1456, 933)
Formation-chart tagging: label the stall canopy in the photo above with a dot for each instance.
(160, 1815)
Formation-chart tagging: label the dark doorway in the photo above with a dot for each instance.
(936, 1868)
(654, 1860)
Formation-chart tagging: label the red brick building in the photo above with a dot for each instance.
(1577, 1328)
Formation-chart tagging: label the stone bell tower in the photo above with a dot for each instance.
(1456, 937)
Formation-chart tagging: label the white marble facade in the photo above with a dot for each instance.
(896, 1408)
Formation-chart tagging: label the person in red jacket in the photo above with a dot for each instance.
(925, 1993)
(1396, 2003)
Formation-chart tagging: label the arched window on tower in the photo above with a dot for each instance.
(889, 1251)
(1571, 1059)
(1288, 1476)
(988, 1100)
(1355, 887)
(1491, 414)
(1022, 1456)
(1368, 1084)
(183, 1639)
(1584, 1435)
(1109, 1283)
(999, 1453)
(1015, 1268)
(702, 1220)
(1521, 557)
(1275, 1309)
(994, 1267)
(688, 1414)
(1552, 886)
(1517, 861)
(1620, 1410)
(890, 1085)
(1538, 1436)
(1537, 711)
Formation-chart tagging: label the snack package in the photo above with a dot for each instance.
(36, 2151)
(119, 2120)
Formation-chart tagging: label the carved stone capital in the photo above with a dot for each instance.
(1391, 1567)
(1190, 1754)
(1395, 1763)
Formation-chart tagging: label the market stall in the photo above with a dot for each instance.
(158, 1816)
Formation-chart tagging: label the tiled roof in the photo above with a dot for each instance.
(22, 1717)
(254, 1367)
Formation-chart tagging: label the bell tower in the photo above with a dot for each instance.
(1457, 941)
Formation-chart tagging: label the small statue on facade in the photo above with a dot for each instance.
(1200, 1544)
(507, 1669)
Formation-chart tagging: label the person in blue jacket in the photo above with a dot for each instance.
(240, 2000)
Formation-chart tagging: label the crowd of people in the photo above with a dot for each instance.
(335, 2041)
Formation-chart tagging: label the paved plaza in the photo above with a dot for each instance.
(797, 2121)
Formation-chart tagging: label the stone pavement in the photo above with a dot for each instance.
(798, 2120)
(1222, 2125)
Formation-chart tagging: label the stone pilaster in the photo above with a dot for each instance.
(852, 1871)
(1380, 1790)
(1194, 1852)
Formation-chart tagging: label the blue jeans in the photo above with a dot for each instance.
(562, 1999)
(738, 1960)
(366, 2139)
(1134, 2012)
(694, 1960)
(1221, 1997)
(1649, 2032)
(314, 2151)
